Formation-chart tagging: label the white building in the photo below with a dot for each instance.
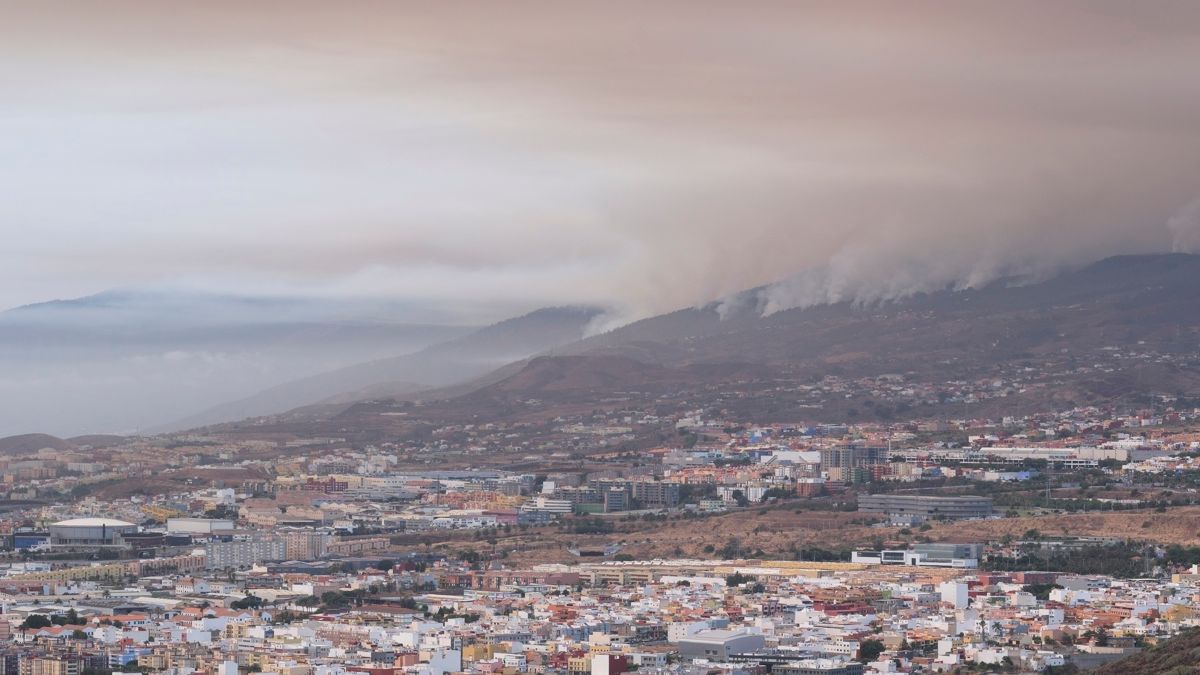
(198, 525)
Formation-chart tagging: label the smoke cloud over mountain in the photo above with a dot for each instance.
(647, 156)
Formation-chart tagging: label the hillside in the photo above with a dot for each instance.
(1117, 301)
(1116, 332)
(1179, 655)
(98, 441)
(29, 443)
(438, 365)
(1120, 328)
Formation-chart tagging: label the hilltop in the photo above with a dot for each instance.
(24, 444)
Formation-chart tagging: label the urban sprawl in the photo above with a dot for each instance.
(729, 548)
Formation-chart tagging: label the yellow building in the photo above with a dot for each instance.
(477, 652)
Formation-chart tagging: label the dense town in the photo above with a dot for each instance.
(186, 553)
(600, 338)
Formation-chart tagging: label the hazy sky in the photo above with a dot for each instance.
(650, 154)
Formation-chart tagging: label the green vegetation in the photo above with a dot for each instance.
(1040, 591)
(737, 579)
(869, 650)
(1117, 560)
(35, 622)
(815, 554)
(589, 526)
(444, 614)
(248, 602)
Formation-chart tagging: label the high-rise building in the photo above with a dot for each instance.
(306, 544)
(847, 458)
(244, 553)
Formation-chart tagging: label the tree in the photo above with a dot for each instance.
(36, 621)
(869, 650)
(334, 599)
(248, 602)
(737, 579)
(1040, 591)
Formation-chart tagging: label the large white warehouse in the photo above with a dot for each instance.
(90, 532)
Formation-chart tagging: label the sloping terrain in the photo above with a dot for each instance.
(439, 365)
(1144, 304)
(29, 443)
(98, 441)
(1179, 655)
(1117, 331)
(1118, 301)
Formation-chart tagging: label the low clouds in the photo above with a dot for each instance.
(649, 157)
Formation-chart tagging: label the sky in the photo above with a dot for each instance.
(645, 156)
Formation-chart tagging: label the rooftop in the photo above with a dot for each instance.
(93, 522)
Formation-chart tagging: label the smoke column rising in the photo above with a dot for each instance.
(643, 156)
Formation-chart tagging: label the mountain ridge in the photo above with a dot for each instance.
(1128, 303)
(441, 364)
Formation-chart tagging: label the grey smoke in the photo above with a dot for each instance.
(1185, 228)
(645, 156)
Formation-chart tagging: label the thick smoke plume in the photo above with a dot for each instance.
(644, 156)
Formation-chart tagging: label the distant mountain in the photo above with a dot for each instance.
(1117, 301)
(1123, 328)
(97, 440)
(438, 365)
(123, 360)
(163, 307)
(25, 444)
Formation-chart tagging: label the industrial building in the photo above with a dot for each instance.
(915, 508)
(90, 533)
(718, 645)
(819, 667)
(959, 556)
(198, 525)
